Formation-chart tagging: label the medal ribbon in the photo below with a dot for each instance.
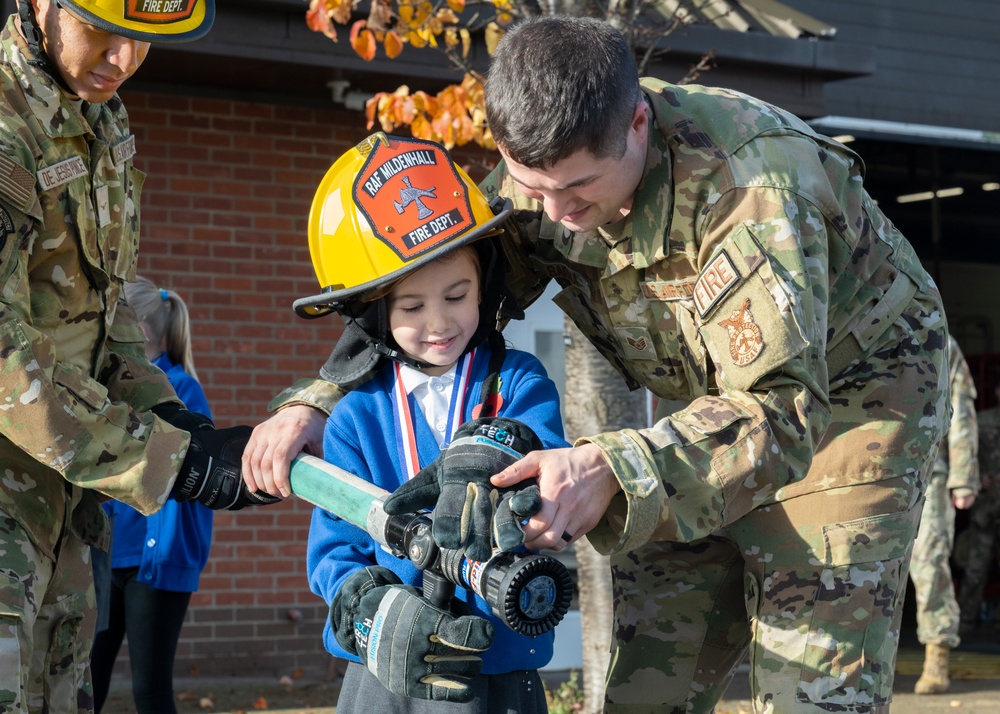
(406, 434)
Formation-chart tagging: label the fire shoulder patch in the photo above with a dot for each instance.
(718, 277)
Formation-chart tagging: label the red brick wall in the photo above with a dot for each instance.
(224, 211)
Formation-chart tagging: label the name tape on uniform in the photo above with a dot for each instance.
(63, 172)
(124, 149)
(668, 291)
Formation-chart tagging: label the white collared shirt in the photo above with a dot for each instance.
(433, 396)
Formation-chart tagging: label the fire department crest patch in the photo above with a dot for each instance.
(745, 338)
(412, 214)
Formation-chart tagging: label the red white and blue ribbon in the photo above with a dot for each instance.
(406, 434)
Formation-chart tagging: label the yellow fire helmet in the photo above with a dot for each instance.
(385, 208)
(147, 20)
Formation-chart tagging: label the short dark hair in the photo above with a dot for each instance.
(558, 84)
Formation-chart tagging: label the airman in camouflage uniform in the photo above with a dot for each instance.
(78, 394)
(982, 537)
(954, 483)
(749, 273)
(719, 252)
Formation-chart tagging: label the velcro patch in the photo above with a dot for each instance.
(124, 149)
(668, 291)
(637, 342)
(63, 172)
(16, 182)
(6, 227)
(745, 338)
(562, 273)
(718, 277)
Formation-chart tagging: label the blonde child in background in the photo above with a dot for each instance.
(156, 561)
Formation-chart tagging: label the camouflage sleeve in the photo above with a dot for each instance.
(760, 311)
(988, 423)
(314, 392)
(127, 373)
(963, 442)
(58, 413)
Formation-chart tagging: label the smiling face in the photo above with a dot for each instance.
(583, 192)
(434, 312)
(92, 62)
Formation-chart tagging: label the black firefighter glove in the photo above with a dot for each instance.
(211, 471)
(467, 504)
(414, 648)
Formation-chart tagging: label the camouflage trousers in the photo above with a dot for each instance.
(812, 587)
(47, 615)
(981, 540)
(930, 570)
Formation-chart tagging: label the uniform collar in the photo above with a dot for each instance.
(643, 239)
(58, 113)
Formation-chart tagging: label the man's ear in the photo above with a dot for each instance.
(640, 121)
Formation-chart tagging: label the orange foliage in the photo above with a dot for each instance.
(453, 117)
(456, 115)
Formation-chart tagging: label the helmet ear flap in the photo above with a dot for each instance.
(497, 306)
(356, 353)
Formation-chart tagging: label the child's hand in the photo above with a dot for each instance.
(414, 648)
(469, 512)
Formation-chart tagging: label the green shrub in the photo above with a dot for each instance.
(567, 698)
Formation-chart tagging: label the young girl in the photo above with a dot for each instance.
(156, 561)
(432, 324)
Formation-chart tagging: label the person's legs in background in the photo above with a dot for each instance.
(108, 641)
(937, 609)
(152, 620)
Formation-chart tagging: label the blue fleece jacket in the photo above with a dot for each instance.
(361, 438)
(171, 546)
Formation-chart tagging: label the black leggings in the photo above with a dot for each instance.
(153, 620)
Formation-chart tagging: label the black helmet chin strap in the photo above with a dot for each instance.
(399, 356)
(33, 36)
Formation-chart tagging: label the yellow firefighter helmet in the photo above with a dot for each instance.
(385, 208)
(147, 20)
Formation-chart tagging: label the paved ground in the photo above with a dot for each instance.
(975, 670)
(979, 695)
(971, 696)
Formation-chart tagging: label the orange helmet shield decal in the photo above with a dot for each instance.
(412, 196)
(159, 10)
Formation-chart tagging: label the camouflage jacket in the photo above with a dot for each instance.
(751, 276)
(958, 455)
(988, 422)
(75, 386)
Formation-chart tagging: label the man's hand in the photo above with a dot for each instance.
(576, 486)
(414, 648)
(210, 473)
(275, 442)
(470, 514)
(962, 499)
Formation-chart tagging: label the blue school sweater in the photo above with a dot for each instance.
(361, 437)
